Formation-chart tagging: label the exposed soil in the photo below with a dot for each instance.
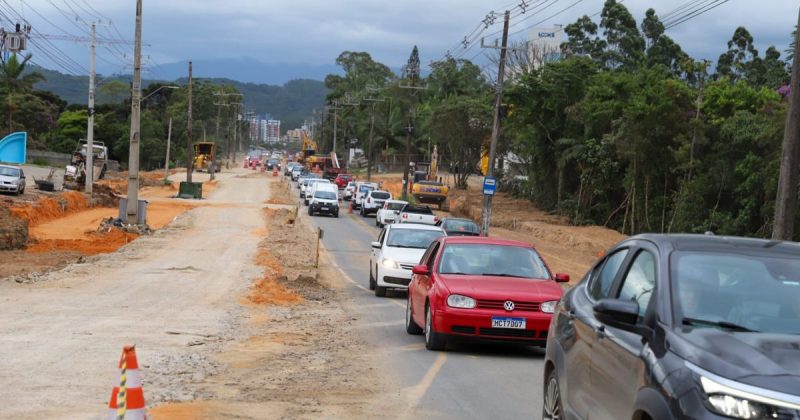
(299, 361)
(281, 193)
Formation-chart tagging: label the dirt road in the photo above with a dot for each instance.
(179, 296)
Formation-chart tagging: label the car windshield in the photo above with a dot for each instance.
(380, 195)
(412, 238)
(325, 195)
(395, 206)
(9, 171)
(737, 291)
(365, 188)
(466, 226)
(492, 260)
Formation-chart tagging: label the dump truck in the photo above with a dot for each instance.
(205, 154)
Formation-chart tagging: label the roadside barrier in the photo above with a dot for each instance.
(127, 399)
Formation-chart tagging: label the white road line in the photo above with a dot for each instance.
(350, 279)
(399, 322)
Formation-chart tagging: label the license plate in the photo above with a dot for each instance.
(324, 208)
(505, 322)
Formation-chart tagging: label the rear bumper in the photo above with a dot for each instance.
(332, 210)
(476, 324)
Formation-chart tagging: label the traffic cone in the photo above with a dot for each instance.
(127, 399)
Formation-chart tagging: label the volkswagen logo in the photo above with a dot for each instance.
(509, 305)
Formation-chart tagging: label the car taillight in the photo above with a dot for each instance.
(405, 215)
(369, 200)
(435, 219)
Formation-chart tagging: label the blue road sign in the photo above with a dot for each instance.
(489, 185)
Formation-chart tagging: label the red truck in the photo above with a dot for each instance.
(342, 180)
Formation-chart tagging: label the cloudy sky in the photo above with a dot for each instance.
(314, 32)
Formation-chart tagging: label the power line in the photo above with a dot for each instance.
(695, 13)
(547, 18)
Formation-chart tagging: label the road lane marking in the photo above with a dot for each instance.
(350, 279)
(415, 393)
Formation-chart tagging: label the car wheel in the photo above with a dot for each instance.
(411, 326)
(336, 215)
(376, 222)
(310, 213)
(371, 280)
(380, 291)
(433, 339)
(551, 409)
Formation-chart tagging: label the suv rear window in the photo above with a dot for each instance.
(380, 195)
(417, 209)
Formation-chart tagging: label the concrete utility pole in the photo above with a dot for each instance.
(133, 158)
(498, 98)
(189, 145)
(786, 200)
(89, 169)
(212, 167)
(166, 159)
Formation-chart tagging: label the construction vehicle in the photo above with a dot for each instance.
(484, 162)
(76, 170)
(205, 155)
(329, 166)
(427, 187)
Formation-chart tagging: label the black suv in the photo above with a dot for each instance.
(679, 326)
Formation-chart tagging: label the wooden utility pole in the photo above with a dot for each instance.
(498, 98)
(189, 145)
(133, 157)
(371, 131)
(786, 200)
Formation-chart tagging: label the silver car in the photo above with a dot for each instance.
(12, 179)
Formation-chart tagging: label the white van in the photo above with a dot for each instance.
(324, 199)
(362, 188)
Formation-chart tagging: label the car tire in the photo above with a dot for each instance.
(411, 326)
(380, 291)
(552, 409)
(371, 280)
(433, 339)
(376, 222)
(310, 212)
(336, 215)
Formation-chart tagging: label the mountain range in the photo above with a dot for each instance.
(291, 100)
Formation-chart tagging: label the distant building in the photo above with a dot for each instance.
(273, 131)
(545, 45)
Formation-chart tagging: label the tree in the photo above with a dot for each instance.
(582, 39)
(462, 125)
(625, 43)
(14, 82)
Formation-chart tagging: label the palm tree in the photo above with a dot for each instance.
(14, 81)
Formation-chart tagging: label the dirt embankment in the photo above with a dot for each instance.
(301, 359)
(281, 193)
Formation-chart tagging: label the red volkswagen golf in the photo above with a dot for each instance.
(482, 289)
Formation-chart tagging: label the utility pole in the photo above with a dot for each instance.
(371, 130)
(487, 198)
(166, 159)
(786, 200)
(211, 167)
(133, 158)
(189, 145)
(89, 169)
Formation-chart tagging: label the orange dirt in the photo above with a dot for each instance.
(49, 208)
(280, 193)
(91, 244)
(270, 292)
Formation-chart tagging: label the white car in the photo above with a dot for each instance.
(373, 201)
(389, 213)
(398, 249)
(12, 179)
(362, 188)
(305, 190)
(347, 194)
(324, 199)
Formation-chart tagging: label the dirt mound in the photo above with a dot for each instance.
(104, 196)
(268, 291)
(308, 286)
(49, 208)
(13, 231)
(280, 193)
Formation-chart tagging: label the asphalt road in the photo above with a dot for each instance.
(477, 381)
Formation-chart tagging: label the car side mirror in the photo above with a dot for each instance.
(421, 270)
(562, 278)
(376, 244)
(622, 314)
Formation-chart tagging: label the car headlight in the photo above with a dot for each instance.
(315, 202)
(460, 301)
(549, 307)
(741, 401)
(738, 408)
(389, 263)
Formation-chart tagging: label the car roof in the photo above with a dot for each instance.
(9, 166)
(415, 226)
(396, 202)
(710, 242)
(379, 191)
(482, 240)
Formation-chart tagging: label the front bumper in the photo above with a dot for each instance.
(9, 188)
(317, 208)
(477, 324)
(395, 278)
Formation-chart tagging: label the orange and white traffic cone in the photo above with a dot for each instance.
(127, 399)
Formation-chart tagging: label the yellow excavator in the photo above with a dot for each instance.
(204, 154)
(427, 188)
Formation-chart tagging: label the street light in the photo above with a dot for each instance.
(160, 87)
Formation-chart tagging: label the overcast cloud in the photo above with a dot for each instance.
(315, 31)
